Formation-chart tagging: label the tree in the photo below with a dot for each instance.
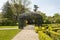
(8, 15)
(19, 6)
(36, 7)
(43, 15)
(57, 18)
(56, 15)
(7, 12)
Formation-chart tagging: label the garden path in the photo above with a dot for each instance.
(27, 33)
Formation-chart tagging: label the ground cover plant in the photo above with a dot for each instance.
(8, 34)
(48, 32)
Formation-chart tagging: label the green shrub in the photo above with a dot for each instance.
(43, 36)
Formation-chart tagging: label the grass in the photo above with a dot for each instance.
(8, 26)
(8, 34)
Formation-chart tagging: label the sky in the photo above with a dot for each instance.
(2, 2)
(49, 7)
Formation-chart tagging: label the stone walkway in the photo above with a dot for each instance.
(26, 34)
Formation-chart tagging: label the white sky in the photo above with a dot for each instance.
(47, 6)
(2, 2)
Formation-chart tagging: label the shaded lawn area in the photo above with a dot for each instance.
(8, 26)
(8, 34)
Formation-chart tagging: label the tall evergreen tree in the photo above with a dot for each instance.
(8, 15)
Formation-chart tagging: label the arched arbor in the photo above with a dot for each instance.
(30, 18)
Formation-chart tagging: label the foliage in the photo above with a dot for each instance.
(35, 6)
(43, 36)
(7, 12)
(13, 8)
(54, 19)
(8, 16)
(11, 11)
(50, 32)
(50, 19)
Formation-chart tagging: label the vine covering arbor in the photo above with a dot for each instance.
(31, 18)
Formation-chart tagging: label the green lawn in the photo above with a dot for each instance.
(8, 26)
(8, 34)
